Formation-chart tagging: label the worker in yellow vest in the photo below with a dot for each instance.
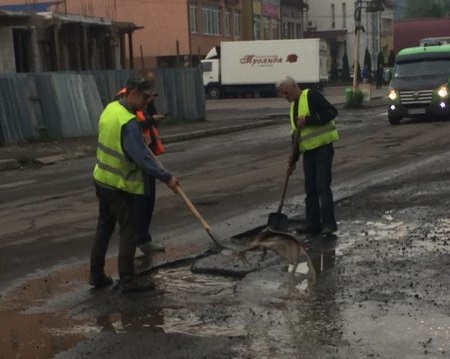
(122, 159)
(145, 204)
(313, 116)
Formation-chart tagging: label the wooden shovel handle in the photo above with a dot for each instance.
(294, 150)
(193, 209)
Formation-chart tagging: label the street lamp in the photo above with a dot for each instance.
(371, 7)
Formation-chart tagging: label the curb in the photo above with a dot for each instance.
(12, 163)
(216, 131)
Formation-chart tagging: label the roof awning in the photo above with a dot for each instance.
(13, 13)
(73, 18)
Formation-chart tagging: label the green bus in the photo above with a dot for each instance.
(420, 83)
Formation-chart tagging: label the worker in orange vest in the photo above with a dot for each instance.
(149, 122)
(149, 119)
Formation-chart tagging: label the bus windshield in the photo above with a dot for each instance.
(426, 67)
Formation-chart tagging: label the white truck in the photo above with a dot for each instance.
(242, 68)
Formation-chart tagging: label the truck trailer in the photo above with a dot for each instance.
(243, 68)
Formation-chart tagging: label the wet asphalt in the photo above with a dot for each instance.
(382, 292)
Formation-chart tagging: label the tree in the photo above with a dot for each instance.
(429, 8)
(368, 63)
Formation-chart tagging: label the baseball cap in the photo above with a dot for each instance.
(141, 84)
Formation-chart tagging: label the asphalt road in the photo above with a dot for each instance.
(384, 288)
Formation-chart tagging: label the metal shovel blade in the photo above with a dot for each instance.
(278, 222)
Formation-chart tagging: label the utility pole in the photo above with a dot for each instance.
(371, 6)
(358, 28)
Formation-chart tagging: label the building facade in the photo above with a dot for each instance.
(335, 21)
(35, 41)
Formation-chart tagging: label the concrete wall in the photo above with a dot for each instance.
(7, 59)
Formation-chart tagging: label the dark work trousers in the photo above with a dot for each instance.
(319, 198)
(115, 206)
(144, 208)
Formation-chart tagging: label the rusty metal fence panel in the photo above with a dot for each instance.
(61, 105)
(109, 82)
(20, 113)
(180, 93)
(71, 104)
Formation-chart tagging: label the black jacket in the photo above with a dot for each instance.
(321, 111)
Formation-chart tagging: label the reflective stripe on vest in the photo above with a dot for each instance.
(312, 136)
(112, 168)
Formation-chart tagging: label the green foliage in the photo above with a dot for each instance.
(345, 68)
(429, 8)
(353, 99)
(368, 63)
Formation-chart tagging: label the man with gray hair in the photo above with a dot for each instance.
(314, 117)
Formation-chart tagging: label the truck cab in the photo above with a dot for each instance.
(211, 77)
(420, 83)
(211, 73)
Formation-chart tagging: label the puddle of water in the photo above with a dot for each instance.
(34, 314)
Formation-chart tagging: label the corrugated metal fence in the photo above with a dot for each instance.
(61, 105)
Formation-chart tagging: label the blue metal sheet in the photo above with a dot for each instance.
(36, 7)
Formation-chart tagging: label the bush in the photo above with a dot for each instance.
(353, 99)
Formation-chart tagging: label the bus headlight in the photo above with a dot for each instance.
(393, 95)
(443, 91)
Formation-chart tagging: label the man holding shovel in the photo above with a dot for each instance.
(122, 160)
(313, 116)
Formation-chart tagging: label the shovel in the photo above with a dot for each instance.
(191, 206)
(279, 221)
(202, 221)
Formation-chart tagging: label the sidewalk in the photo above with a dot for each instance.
(222, 116)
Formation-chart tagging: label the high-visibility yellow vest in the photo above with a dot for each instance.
(312, 136)
(112, 168)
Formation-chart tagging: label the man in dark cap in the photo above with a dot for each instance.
(123, 162)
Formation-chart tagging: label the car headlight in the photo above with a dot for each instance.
(443, 91)
(393, 95)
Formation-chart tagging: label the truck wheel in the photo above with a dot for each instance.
(394, 120)
(213, 93)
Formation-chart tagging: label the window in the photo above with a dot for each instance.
(344, 15)
(237, 24)
(275, 29)
(206, 66)
(227, 22)
(193, 18)
(257, 27)
(211, 20)
(333, 16)
(299, 31)
(291, 30)
(266, 25)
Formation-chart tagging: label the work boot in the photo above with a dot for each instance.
(307, 228)
(135, 284)
(100, 280)
(150, 247)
